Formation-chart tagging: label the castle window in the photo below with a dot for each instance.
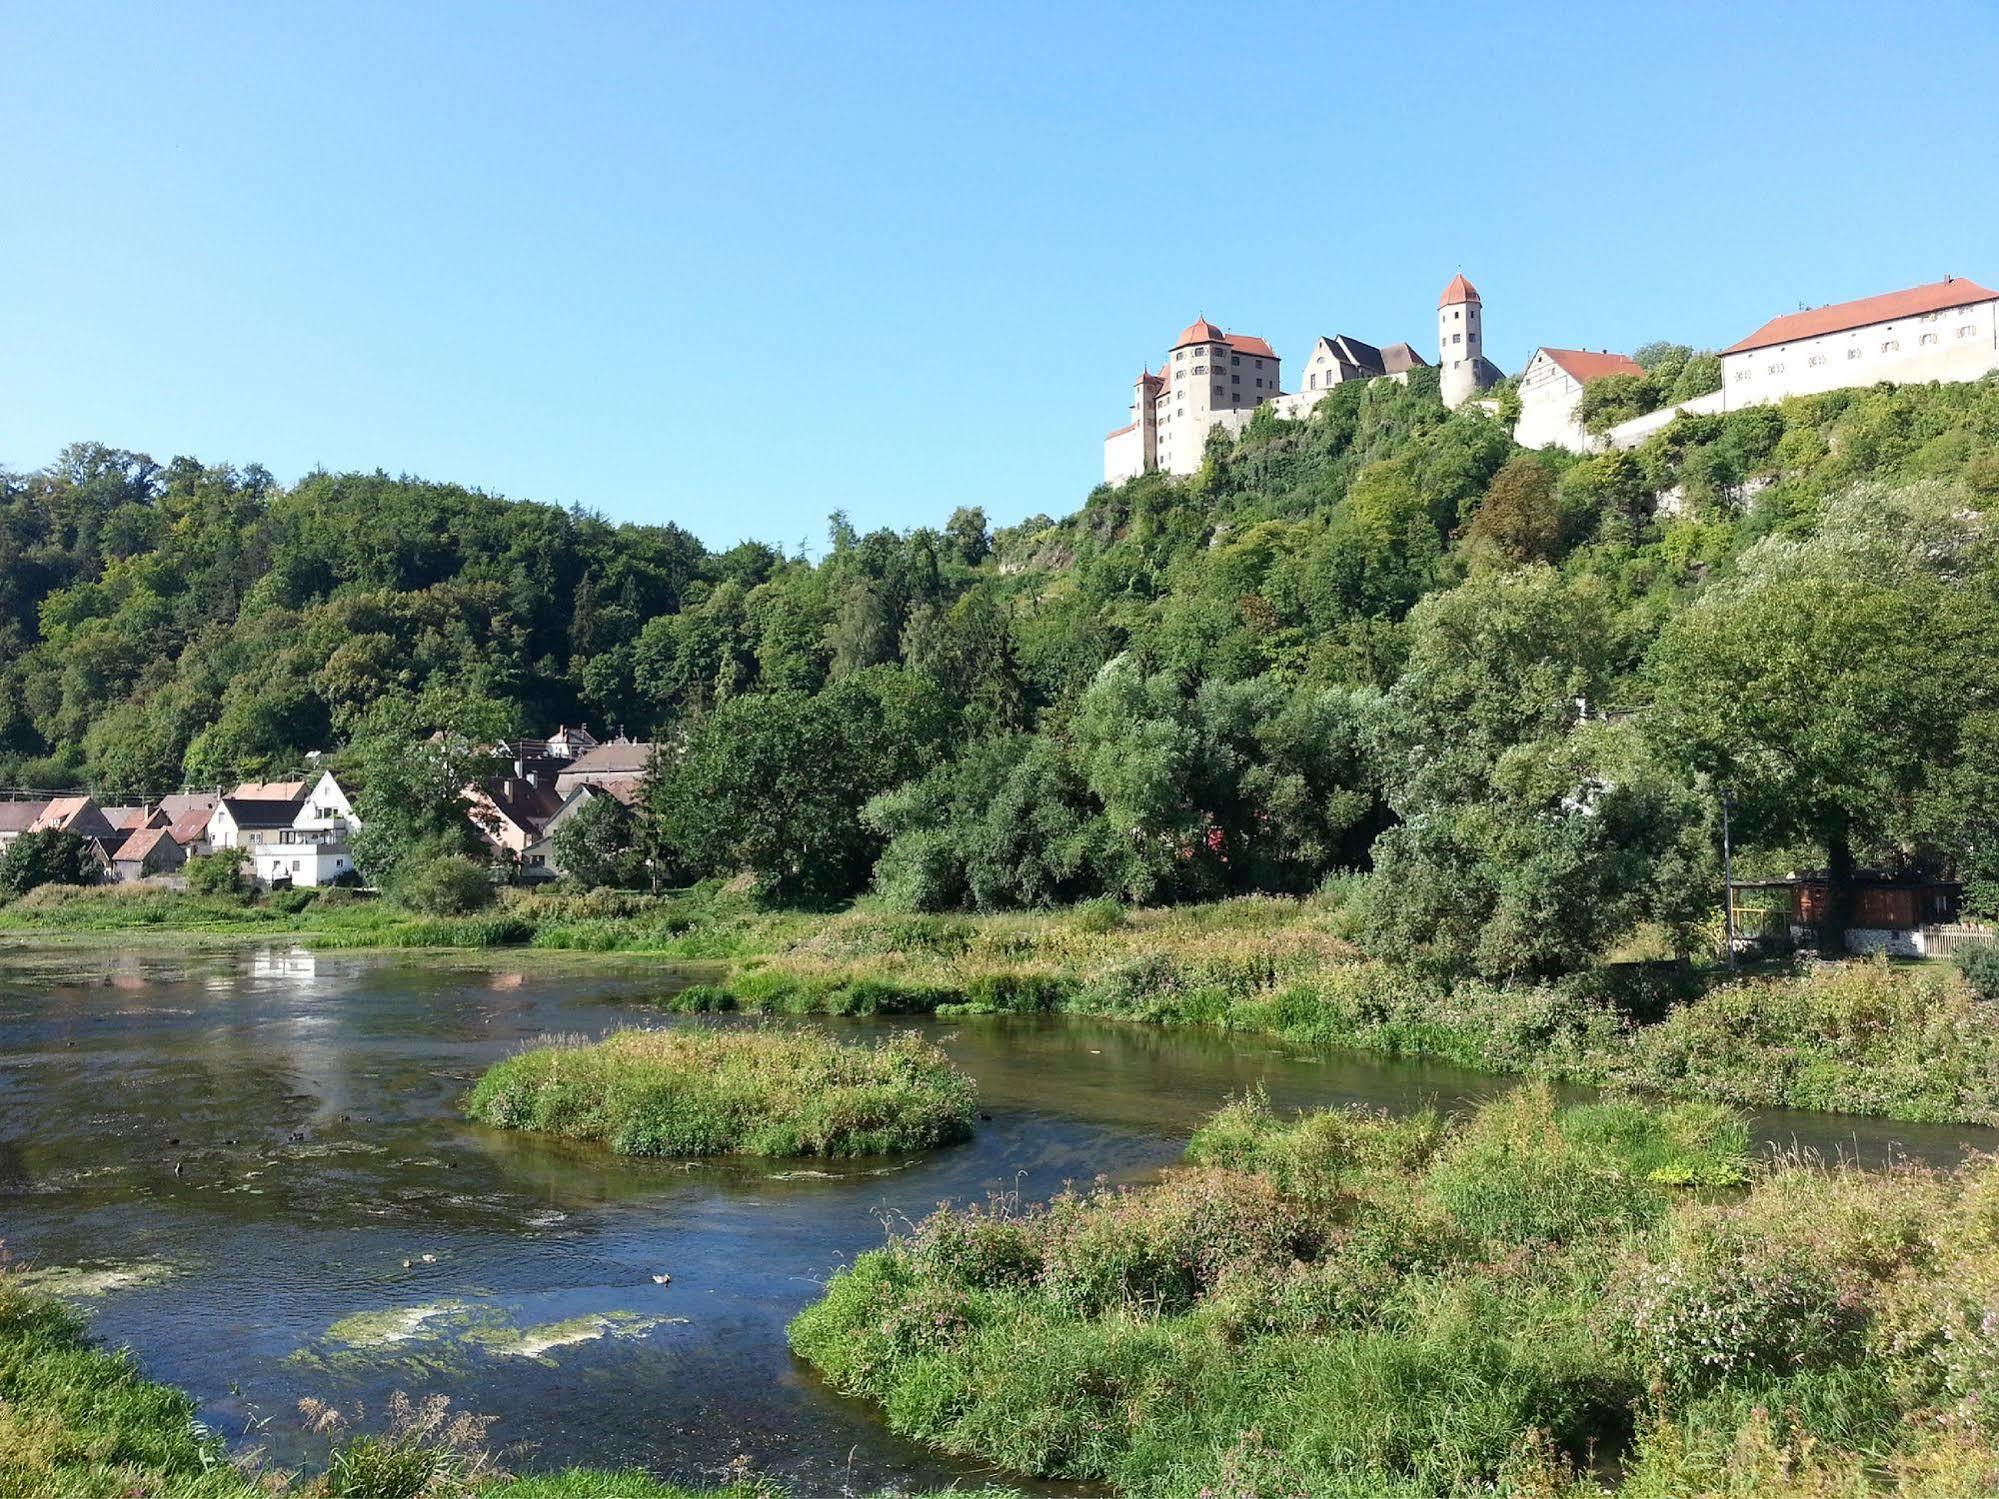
(1777, 369)
(1891, 346)
(1259, 364)
(1741, 375)
(1200, 369)
(1967, 330)
(1235, 379)
(1855, 352)
(1816, 359)
(1312, 384)
(1927, 338)
(1457, 338)
(1235, 359)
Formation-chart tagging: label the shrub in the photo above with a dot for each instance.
(1979, 963)
(217, 873)
(53, 856)
(447, 885)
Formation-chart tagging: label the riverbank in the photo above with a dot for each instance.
(1343, 1304)
(78, 1421)
(1904, 1041)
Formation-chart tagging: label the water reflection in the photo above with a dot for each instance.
(254, 1169)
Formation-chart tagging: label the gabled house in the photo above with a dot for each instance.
(1551, 395)
(619, 767)
(539, 860)
(509, 811)
(144, 853)
(80, 815)
(190, 830)
(288, 832)
(181, 803)
(17, 817)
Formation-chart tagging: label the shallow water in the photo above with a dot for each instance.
(228, 1159)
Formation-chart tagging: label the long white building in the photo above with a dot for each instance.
(1944, 330)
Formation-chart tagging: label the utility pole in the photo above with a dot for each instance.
(1728, 873)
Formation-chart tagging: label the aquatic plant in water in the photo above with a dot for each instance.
(766, 1091)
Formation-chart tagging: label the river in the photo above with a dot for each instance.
(251, 1168)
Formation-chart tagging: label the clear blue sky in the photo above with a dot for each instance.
(736, 265)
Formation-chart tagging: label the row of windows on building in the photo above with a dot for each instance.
(1855, 351)
(1200, 351)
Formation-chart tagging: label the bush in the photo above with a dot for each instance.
(1979, 964)
(447, 885)
(54, 856)
(217, 873)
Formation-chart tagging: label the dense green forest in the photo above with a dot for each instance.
(1512, 685)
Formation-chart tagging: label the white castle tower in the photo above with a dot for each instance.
(1461, 361)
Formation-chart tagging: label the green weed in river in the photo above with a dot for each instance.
(767, 1092)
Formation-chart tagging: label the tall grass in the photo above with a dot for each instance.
(1523, 1300)
(767, 1092)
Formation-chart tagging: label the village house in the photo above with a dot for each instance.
(509, 811)
(146, 853)
(539, 860)
(288, 832)
(619, 767)
(16, 817)
(76, 814)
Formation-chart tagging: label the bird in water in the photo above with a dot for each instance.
(662, 1279)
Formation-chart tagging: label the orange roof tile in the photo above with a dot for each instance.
(1200, 331)
(1934, 296)
(1460, 290)
(1121, 431)
(1586, 365)
(1244, 343)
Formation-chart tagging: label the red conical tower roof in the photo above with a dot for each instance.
(1460, 290)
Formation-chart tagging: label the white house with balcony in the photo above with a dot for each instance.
(288, 832)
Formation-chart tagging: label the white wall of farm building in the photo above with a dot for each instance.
(1958, 343)
(1550, 397)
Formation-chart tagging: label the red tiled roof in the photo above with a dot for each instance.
(1585, 365)
(191, 826)
(1244, 343)
(77, 814)
(139, 844)
(1934, 296)
(1460, 290)
(1200, 331)
(620, 756)
(269, 791)
(1128, 427)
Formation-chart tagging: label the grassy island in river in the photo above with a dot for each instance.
(764, 1091)
(1565, 1303)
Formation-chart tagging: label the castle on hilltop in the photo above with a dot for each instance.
(1947, 330)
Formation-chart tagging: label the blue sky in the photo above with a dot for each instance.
(739, 265)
